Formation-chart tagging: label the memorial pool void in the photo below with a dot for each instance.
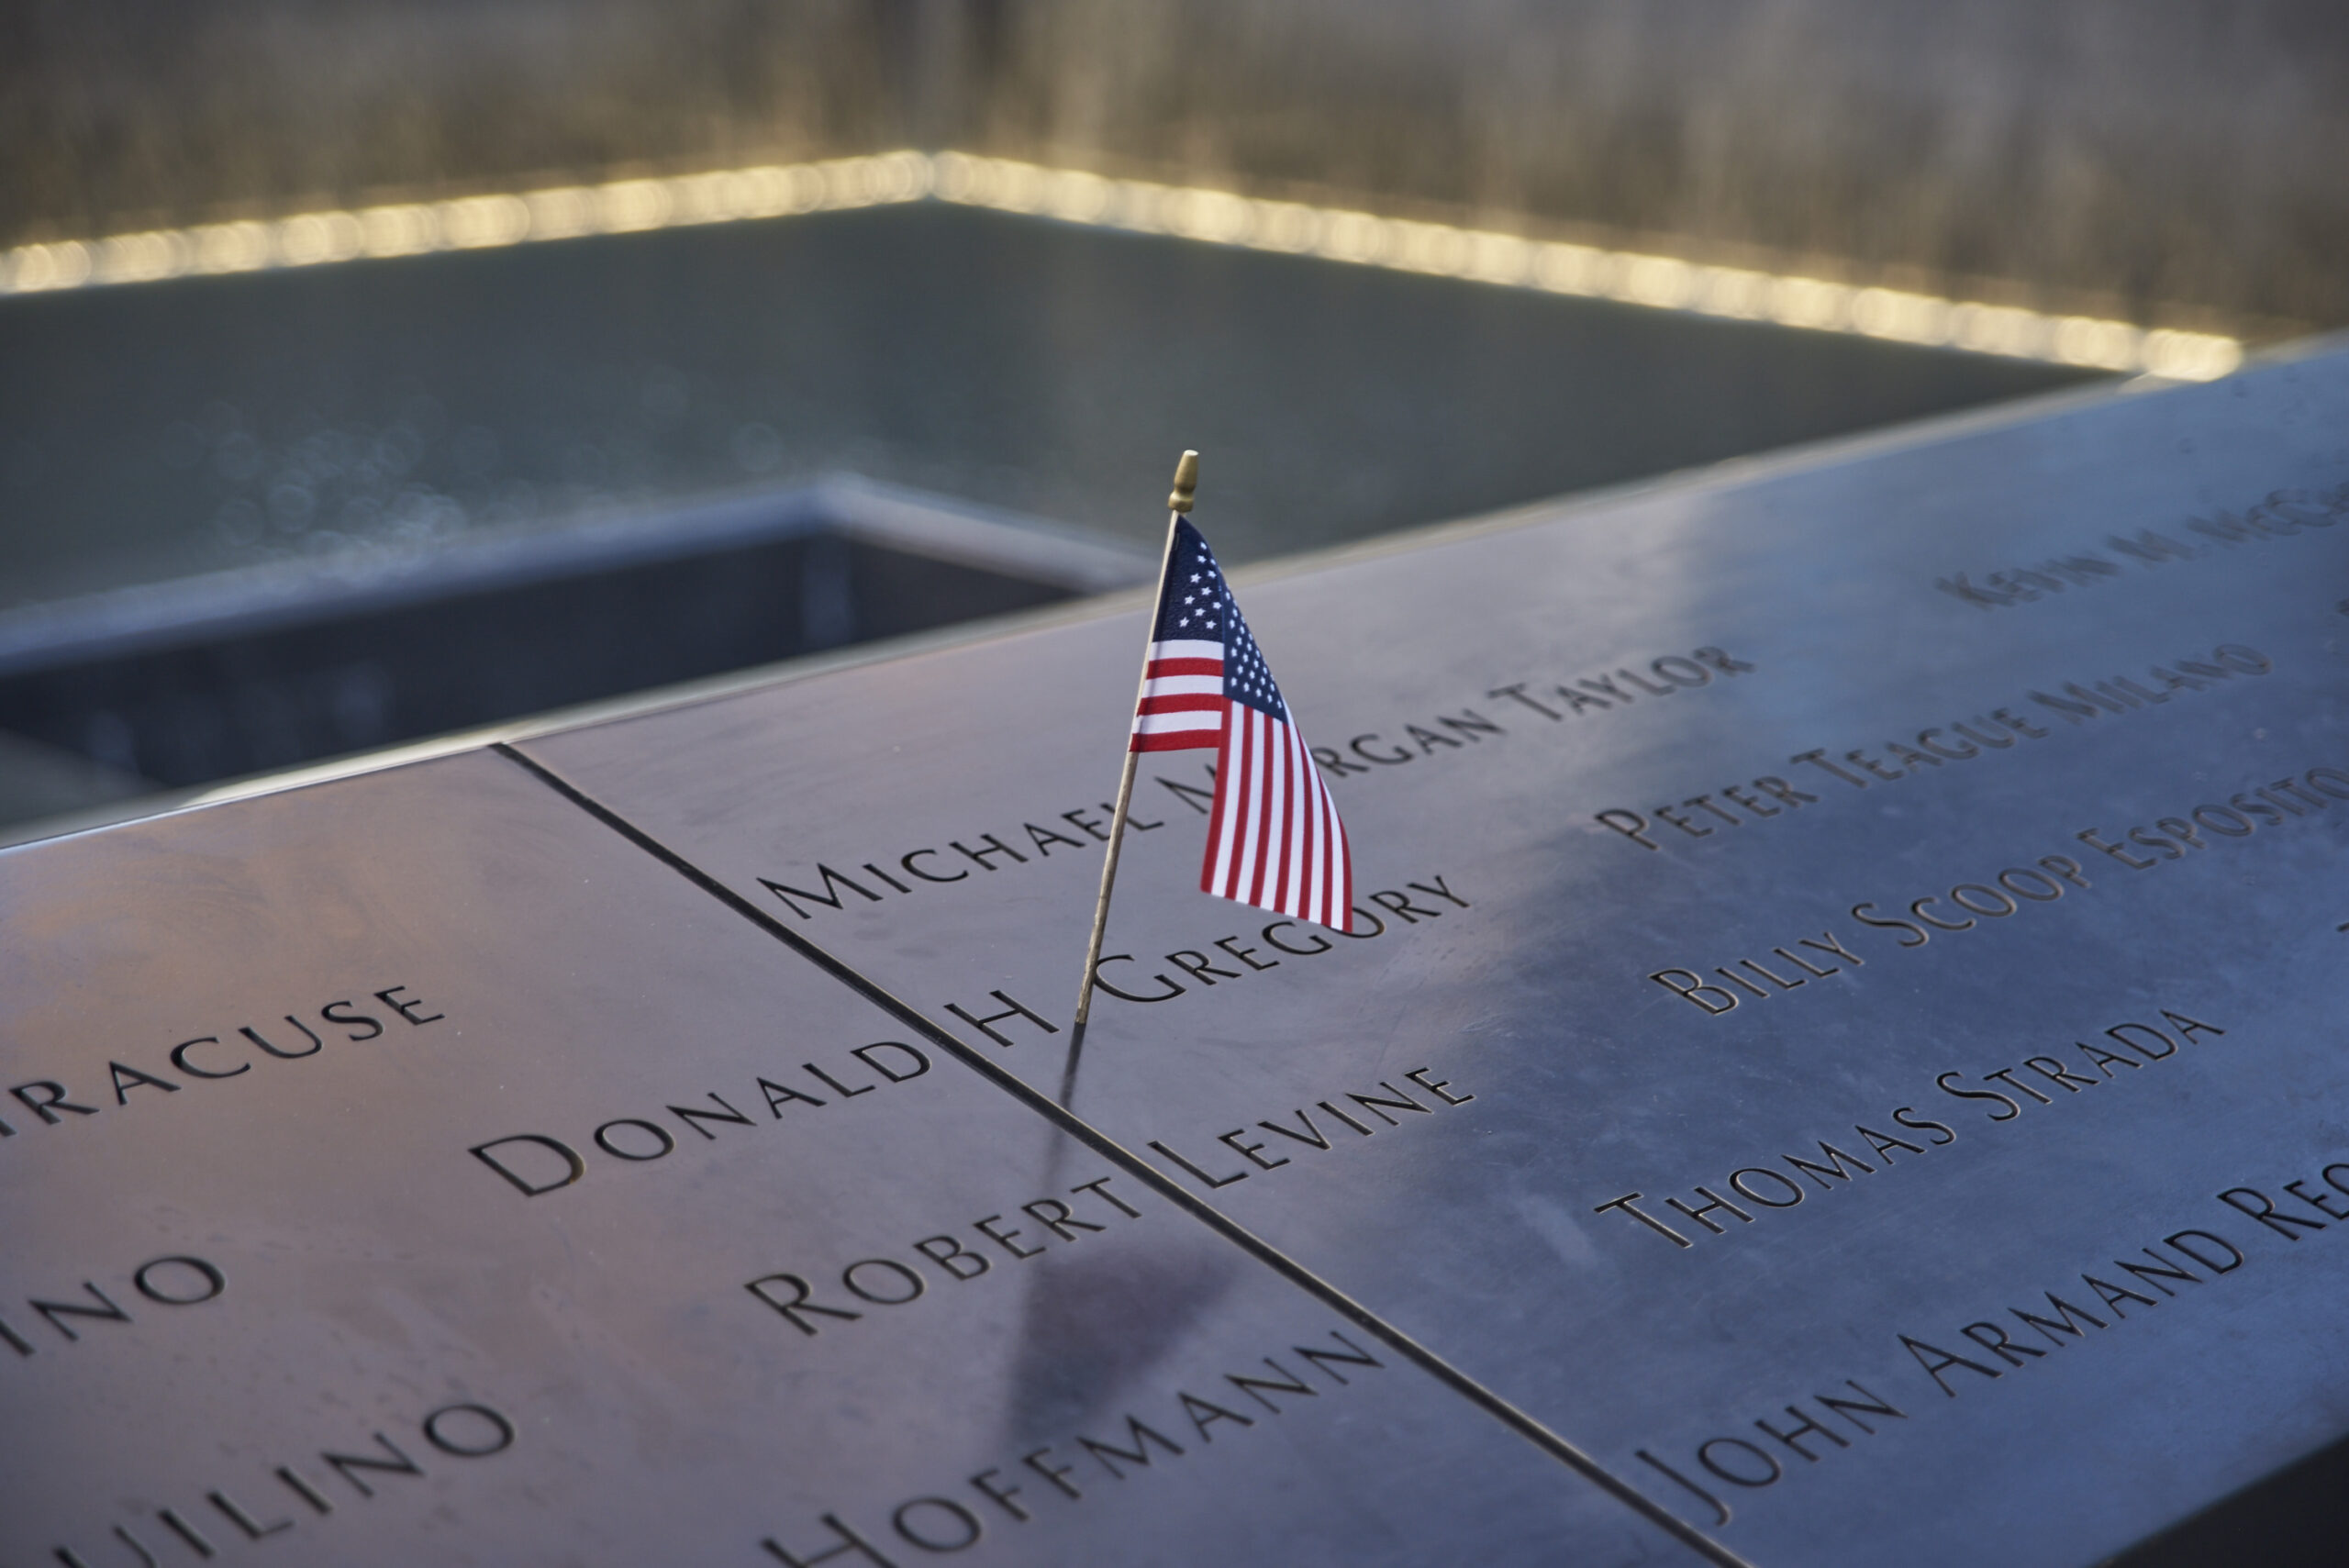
(318, 440)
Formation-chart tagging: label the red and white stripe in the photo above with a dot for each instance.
(1182, 697)
(1274, 837)
(1274, 840)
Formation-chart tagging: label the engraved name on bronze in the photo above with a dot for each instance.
(209, 1058)
(1072, 1471)
(968, 859)
(2045, 1079)
(1967, 739)
(949, 1258)
(463, 1430)
(1222, 960)
(2150, 1268)
(2282, 515)
(1297, 1134)
(1788, 1442)
(2269, 804)
(1227, 958)
(535, 1163)
(1966, 906)
(1402, 742)
(2008, 1341)
(174, 1279)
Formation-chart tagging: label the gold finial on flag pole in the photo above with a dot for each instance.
(1178, 502)
(1187, 481)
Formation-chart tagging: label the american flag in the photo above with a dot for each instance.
(1274, 837)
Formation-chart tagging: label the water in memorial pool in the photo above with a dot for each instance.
(155, 430)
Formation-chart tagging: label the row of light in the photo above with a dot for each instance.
(1220, 217)
(1663, 282)
(468, 223)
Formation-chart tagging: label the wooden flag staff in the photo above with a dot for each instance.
(1178, 502)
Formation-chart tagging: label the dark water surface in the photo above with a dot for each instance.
(155, 431)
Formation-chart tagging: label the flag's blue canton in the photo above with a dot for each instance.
(1245, 679)
(1274, 837)
(1199, 607)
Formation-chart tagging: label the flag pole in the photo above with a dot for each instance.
(1178, 502)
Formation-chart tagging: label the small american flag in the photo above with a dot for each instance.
(1274, 837)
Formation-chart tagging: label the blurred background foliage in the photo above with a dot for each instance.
(2171, 162)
